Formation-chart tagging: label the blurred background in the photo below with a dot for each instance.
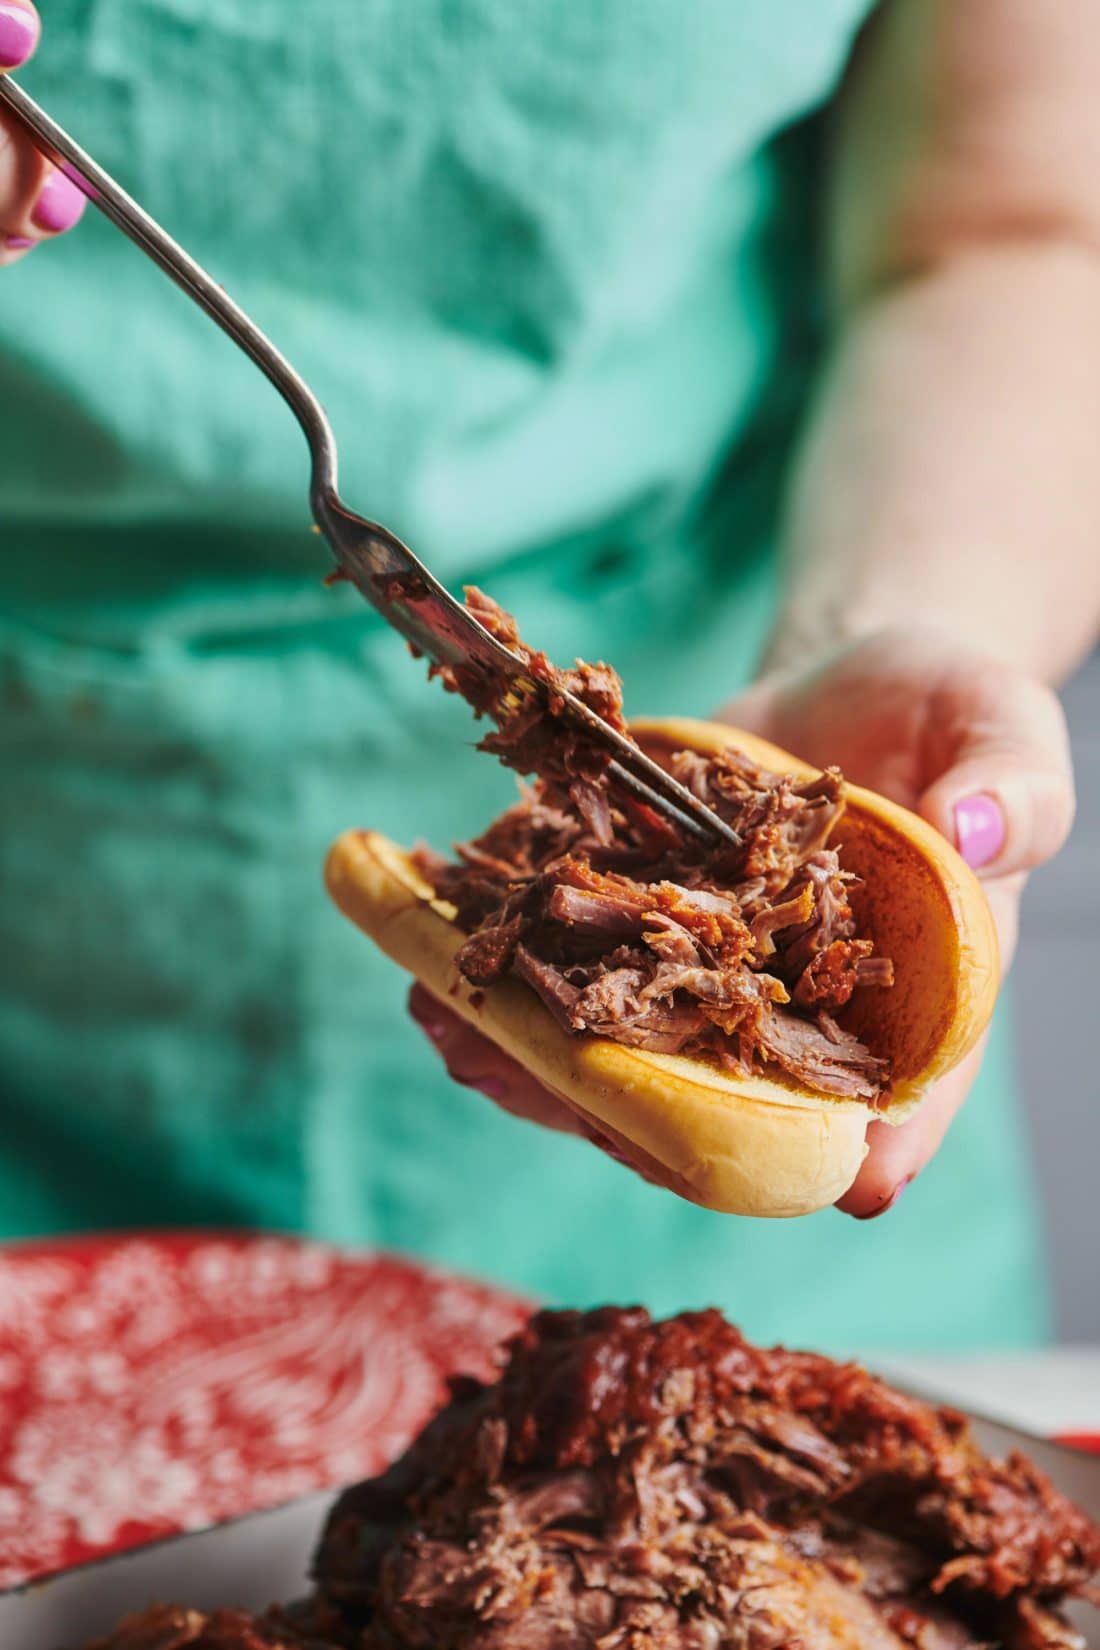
(1057, 1020)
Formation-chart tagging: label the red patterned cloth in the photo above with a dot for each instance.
(156, 1384)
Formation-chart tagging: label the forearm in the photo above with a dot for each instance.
(950, 473)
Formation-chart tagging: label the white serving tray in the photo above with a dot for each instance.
(264, 1557)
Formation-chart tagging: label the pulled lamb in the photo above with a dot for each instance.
(626, 929)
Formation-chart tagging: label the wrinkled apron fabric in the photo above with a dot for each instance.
(551, 270)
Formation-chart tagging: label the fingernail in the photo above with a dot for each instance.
(979, 829)
(60, 204)
(493, 1088)
(18, 35)
(430, 1024)
(17, 243)
(432, 1028)
(74, 177)
(606, 1145)
(895, 1197)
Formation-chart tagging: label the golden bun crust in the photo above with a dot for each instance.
(750, 1145)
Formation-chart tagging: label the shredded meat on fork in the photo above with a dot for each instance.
(626, 930)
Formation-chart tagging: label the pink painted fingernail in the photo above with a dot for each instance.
(17, 243)
(18, 35)
(979, 829)
(73, 176)
(431, 1024)
(435, 1030)
(491, 1087)
(606, 1145)
(60, 205)
(895, 1197)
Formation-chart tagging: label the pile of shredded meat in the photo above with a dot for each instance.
(171, 1627)
(629, 930)
(632, 1485)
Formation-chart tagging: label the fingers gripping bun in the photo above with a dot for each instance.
(750, 1145)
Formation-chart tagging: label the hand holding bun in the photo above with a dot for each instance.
(751, 1142)
(976, 747)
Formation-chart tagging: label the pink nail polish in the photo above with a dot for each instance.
(18, 35)
(73, 176)
(17, 243)
(60, 205)
(605, 1144)
(435, 1030)
(491, 1087)
(979, 829)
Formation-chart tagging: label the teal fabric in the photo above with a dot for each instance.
(548, 267)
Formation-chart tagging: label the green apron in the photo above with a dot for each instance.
(551, 269)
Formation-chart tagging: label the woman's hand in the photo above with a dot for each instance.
(977, 748)
(474, 1061)
(36, 200)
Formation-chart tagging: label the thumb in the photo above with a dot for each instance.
(19, 31)
(1004, 795)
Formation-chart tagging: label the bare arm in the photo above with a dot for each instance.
(943, 531)
(951, 474)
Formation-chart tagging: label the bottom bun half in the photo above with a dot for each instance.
(740, 1145)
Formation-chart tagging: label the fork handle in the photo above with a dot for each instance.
(125, 213)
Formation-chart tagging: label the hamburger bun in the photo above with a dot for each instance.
(755, 1144)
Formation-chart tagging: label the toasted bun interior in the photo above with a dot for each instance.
(754, 1145)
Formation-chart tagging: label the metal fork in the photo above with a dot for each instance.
(391, 578)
